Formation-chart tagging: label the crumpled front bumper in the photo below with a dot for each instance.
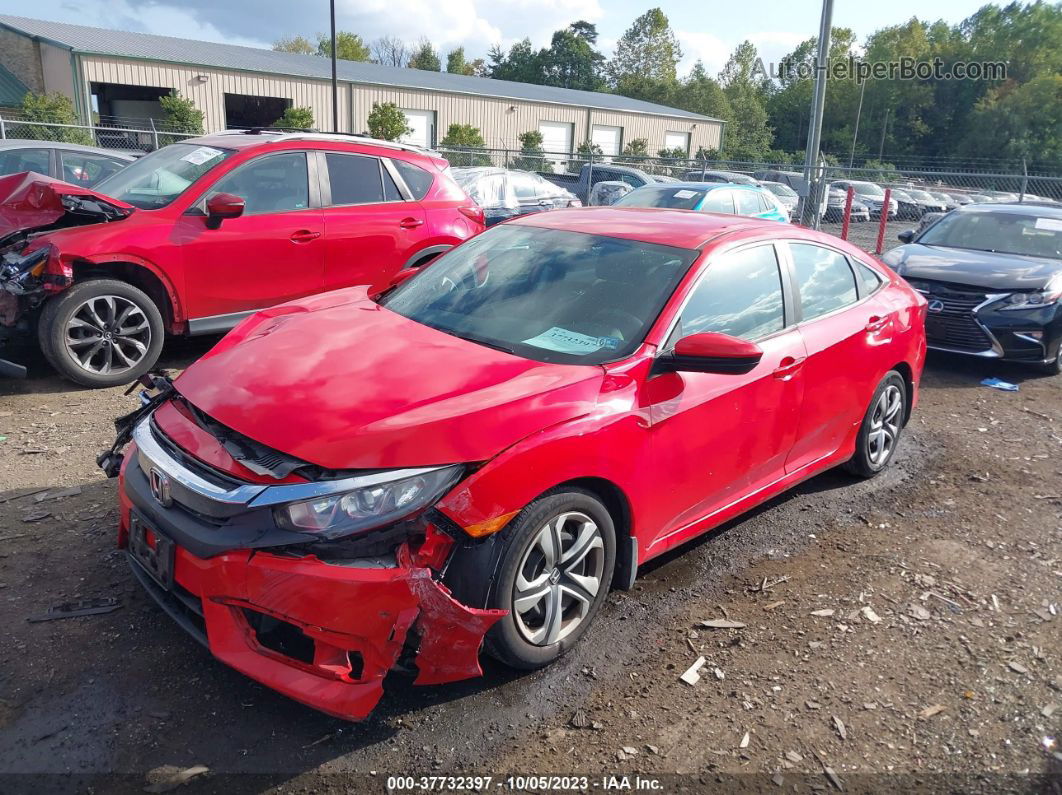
(352, 621)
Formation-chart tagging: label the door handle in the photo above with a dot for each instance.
(876, 323)
(410, 223)
(304, 236)
(788, 367)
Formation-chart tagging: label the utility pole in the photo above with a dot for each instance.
(855, 133)
(812, 171)
(884, 127)
(335, 81)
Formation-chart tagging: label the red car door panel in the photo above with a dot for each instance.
(717, 437)
(371, 229)
(846, 338)
(273, 253)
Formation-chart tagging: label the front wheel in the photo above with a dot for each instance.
(552, 578)
(880, 430)
(101, 332)
(1053, 367)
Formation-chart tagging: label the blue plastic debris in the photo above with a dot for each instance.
(995, 383)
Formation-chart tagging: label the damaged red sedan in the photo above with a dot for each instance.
(473, 457)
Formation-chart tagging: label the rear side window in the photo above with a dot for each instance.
(83, 168)
(868, 280)
(740, 294)
(355, 179)
(418, 180)
(270, 184)
(719, 201)
(19, 160)
(748, 203)
(824, 279)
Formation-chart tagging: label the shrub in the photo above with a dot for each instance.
(466, 139)
(531, 155)
(387, 122)
(295, 119)
(52, 108)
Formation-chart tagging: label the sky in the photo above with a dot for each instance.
(707, 29)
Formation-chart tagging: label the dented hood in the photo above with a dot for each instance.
(341, 382)
(31, 201)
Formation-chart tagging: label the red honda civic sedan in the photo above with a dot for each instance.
(474, 456)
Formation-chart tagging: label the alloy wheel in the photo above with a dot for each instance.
(107, 334)
(559, 578)
(885, 425)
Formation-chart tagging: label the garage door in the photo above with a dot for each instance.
(423, 124)
(608, 138)
(556, 136)
(677, 140)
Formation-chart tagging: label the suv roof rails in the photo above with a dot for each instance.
(288, 134)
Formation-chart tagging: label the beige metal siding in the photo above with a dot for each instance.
(209, 96)
(57, 71)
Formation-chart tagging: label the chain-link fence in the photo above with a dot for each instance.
(144, 136)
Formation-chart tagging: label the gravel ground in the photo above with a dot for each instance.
(901, 632)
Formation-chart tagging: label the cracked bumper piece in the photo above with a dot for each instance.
(325, 635)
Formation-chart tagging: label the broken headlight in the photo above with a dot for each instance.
(368, 507)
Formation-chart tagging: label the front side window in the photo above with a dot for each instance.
(157, 179)
(15, 161)
(269, 184)
(82, 168)
(719, 201)
(740, 294)
(546, 294)
(824, 279)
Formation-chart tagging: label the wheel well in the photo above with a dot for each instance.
(904, 369)
(136, 275)
(613, 498)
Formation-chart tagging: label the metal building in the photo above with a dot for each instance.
(120, 75)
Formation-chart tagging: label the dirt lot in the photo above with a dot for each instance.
(936, 669)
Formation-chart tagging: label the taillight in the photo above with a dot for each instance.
(474, 213)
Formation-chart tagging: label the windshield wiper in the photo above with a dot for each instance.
(481, 341)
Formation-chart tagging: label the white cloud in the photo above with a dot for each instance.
(774, 45)
(705, 47)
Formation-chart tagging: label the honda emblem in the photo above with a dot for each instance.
(160, 487)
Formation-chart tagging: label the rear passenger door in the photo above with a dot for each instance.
(372, 225)
(844, 325)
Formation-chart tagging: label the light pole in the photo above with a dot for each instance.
(855, 133)
(810, 213)
(335, 81)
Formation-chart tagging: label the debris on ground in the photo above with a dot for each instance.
(166, 778)
(823, 613)
(838, 724)
(692, 675)
(996, 383)
(722, 623)
(85, 607)
(929, 712)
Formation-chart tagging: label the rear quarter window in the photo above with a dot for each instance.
(417, 179)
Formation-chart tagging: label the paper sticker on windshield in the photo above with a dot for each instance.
(685, 194)
(564, 341)
(1050, 224)
(201, 154)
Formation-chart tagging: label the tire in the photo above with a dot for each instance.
(1053, 367)
(525, 638)
(78, 335)
(882, 425)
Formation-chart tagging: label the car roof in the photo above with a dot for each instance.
(1013, 208)
(30, 143)
(245, 139)
(682, 228)
(706, 186)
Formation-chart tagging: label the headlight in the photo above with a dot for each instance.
(369, 507)
(1030, 300)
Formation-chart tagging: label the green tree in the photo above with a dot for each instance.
(387, 122)
(571, 60)
(52, 108)
(531, 157)
(180, 115)
(457, 64)
(349, 46)
(466, 139)
(295, 119)
(583, 153)
(296, 44)
(648, 50)
(635, 153)
(699, 93)
(425, 57)
(1024, 122)
(748, 137)
(521, 64)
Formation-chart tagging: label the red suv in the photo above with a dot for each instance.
(480, 452)
(196, 236)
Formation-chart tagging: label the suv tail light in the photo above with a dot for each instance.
(475, 213)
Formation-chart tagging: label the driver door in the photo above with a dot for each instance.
(717, 438)
(273, 253)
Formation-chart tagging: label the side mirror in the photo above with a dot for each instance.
(711, 353)
(906, 236)
(221, 206)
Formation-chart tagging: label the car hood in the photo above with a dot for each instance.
(341, 382)
(1000, 272)
(31, 202)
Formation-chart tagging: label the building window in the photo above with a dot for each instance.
(677, 140)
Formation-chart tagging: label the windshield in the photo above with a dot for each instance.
(546, 294)
(867, 189)
(1005, 233)
(921, 195)
(778, 189)
(157, 179)
(673, 198)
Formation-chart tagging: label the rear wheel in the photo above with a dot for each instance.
(880, 431)
(553, 577)
(101, 332)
